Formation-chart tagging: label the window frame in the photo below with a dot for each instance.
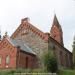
(7, 59)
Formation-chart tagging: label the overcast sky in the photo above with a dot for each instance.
(41, 13)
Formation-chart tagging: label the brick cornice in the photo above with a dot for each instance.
(30, 27)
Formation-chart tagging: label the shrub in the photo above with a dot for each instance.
(50, 62)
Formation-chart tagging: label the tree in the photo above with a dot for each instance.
(74, 52)
(50, 61)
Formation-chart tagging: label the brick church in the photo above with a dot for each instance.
(23, 49)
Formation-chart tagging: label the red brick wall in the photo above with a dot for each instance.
(31, 63)
(57, 34)
(17, 56)
(7, 49)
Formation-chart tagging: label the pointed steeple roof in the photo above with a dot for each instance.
(56, 27)
(55, 20)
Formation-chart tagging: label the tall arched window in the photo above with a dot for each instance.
(0, 59)
(7, 59)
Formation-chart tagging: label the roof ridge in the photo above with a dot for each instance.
(59, 44)
(31, 27)
(36, 30)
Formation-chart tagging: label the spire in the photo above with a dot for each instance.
(56, 31)
(55, 20)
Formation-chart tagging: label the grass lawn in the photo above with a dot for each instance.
(66, 72)
(20, 71)
(12, 72)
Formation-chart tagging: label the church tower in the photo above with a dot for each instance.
(56, 31)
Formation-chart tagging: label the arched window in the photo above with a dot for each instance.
(0, 59)
(7, 59)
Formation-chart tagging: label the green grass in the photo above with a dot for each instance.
(11, 72)
(66, 72)
(18, 71)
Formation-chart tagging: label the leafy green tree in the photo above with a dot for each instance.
(74, 52)
(50, 61)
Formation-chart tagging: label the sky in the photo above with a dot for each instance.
(41, 13)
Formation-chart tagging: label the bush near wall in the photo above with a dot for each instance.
(50, 62)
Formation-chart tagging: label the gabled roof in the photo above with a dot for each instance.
(59, 44)
(25, 23)
(21, 44)
(48, 37)
(44, 36)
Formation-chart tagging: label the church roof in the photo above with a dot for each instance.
(44, 36)
(23, 46)
(56, 22)
(30, 27)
